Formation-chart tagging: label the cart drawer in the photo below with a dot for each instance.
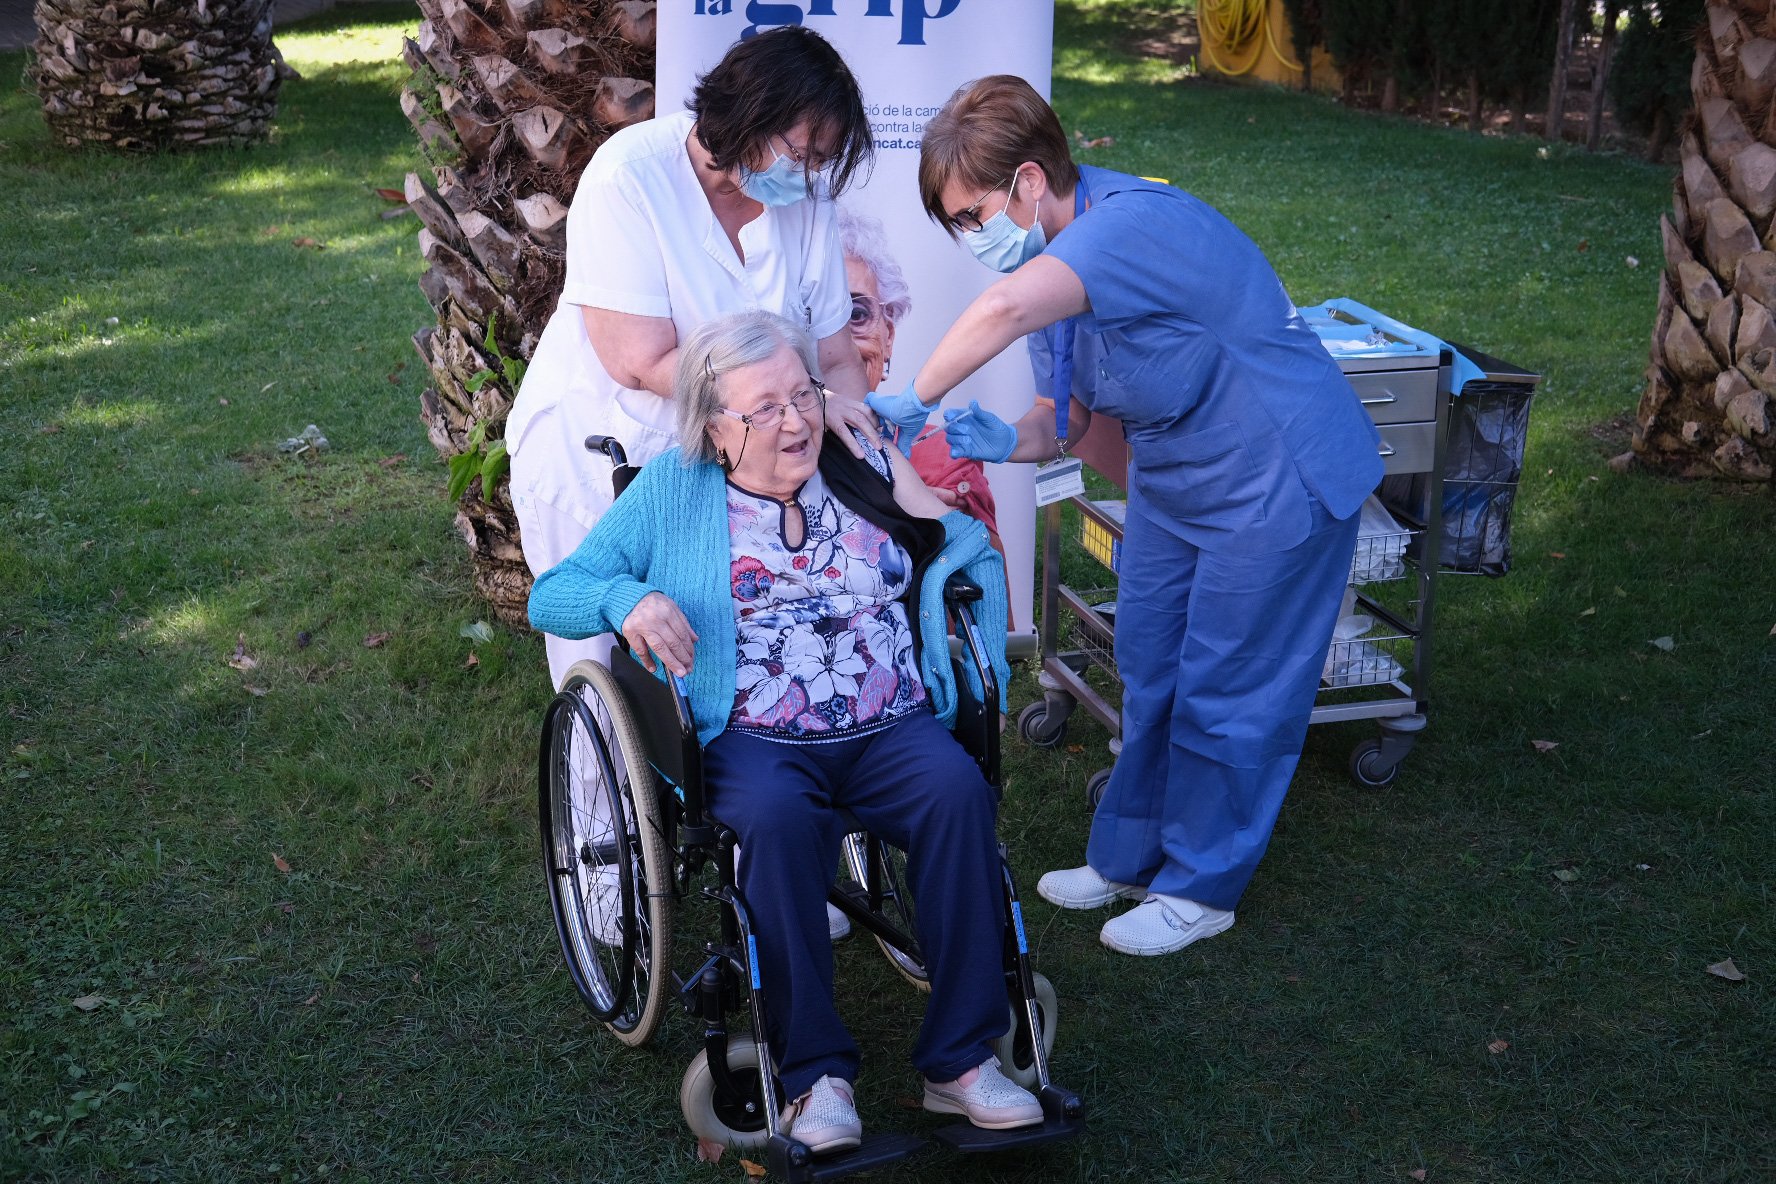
(1397, 396)
(1408, 447)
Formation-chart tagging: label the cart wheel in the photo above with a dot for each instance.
(1366, 768)
(1016, 1058)
(1041, 727)
(1095, 785)
(732, 1122)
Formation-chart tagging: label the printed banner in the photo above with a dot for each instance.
(909, 56)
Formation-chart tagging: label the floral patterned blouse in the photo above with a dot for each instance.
(825, 649)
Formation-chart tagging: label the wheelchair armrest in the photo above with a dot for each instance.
(959, 589)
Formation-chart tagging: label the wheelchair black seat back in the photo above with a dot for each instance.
(628, 844)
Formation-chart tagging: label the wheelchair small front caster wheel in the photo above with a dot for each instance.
(1042, 727)
(1017, 1060)
(1095, 785)
(733, 1122)
(1366, 768)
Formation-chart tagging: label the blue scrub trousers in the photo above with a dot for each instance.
(913, 785)
(1220, 658)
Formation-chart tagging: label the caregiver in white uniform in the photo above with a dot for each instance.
(721, 208)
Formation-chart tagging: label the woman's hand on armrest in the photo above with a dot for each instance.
(657, 627)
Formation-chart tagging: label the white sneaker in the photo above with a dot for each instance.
(1084, 888)
(838, 925)
(826, 1118)
(1163, 925)
(991, 1101)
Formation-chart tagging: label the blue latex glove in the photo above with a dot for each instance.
(979, 434)
(902, 414)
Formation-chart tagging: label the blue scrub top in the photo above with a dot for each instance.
(1234, 411)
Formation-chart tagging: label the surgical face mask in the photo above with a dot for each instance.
(780, 183)
(1002, 244)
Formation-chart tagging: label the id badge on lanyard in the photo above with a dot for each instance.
(1063, 477)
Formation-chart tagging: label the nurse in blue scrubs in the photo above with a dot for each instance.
(1250, 456)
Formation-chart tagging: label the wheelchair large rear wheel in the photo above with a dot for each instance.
(605, 854)
(897, 901)
(733, 1122)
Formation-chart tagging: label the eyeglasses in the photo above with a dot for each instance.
(969, 220)
(866, 313)
(806, 402)
(801, 156)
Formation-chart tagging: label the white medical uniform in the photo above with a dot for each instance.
(642, 239)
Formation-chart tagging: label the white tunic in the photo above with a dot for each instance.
(642, 239)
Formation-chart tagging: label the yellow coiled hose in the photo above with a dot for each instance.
(1242, 30)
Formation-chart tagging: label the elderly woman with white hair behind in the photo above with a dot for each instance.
(880, 300)
(789, 583)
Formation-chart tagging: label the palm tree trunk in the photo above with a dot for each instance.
(1707, 408)
(509, 99)
(149, 75)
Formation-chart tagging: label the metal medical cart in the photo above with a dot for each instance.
(1379, 663)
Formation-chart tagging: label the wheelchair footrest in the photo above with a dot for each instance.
(1063, 1117)
(877, 1151)
(966, 1138)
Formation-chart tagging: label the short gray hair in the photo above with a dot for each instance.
(713, 349)
(861, 237)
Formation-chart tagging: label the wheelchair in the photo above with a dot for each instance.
(628, 846)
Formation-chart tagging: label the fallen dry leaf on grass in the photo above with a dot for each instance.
(1417, 1173)
(1727, 970)
(1590, 612)
(282, 864)
(709, 1151)
(1557, 554)
(391, 195)
(754, 1171)
(1498, 1046)
(312, 1000)
(1545, 745)
(88, 1002)
(1663, 643)
(256, 692)
(389, 462)
(242, 660)
(375, 640)
(305, 241)
(1566, 875)
(472, 662)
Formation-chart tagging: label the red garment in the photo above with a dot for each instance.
(963, 476)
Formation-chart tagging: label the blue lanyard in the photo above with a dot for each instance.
(1060, 346)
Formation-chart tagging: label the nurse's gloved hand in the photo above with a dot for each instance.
(903, 414)
(979, 434)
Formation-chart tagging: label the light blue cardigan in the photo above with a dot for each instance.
(669, 533)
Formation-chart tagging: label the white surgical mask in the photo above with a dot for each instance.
(1002, 244)
(783, 182)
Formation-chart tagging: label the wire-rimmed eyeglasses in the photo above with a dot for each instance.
(805, 401)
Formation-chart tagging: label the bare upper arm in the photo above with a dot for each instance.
(634, 350)
(910, 491)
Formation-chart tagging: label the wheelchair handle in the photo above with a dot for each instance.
(610, 446)
(959, 589)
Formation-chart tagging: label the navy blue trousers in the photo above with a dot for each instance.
(914, 786)
(1220, 658)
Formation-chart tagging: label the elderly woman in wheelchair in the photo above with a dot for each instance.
(795, 597)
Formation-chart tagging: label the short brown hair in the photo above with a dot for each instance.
(987, 129)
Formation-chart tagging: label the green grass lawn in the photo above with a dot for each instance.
(179, 1006)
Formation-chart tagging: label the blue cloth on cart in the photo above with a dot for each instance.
(1320, 318)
